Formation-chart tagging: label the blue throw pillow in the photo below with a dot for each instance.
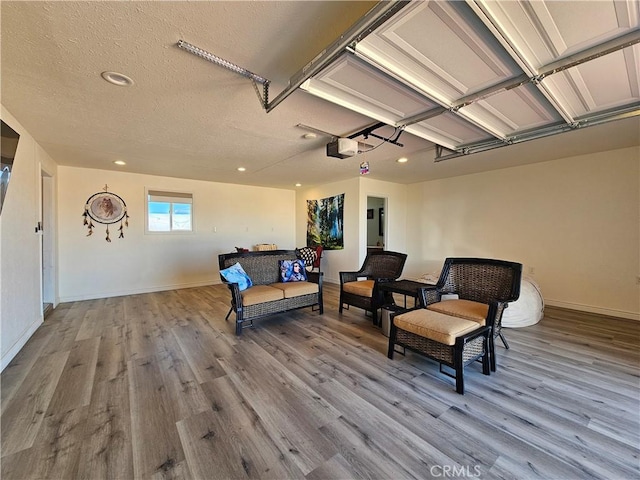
(236, 274)
(292, 271)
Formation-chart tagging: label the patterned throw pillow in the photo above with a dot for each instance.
(308, 255)
(236, 274)
(292, 271)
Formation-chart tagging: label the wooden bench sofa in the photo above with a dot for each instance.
(268, 295)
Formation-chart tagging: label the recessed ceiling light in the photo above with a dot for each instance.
(298, 184)
(120, 162)
(117, 79)
(402, 160)
(241, 169)
(309, 136)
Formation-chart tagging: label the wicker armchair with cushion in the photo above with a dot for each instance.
(360, 288)
(456, 322)
(483, 287)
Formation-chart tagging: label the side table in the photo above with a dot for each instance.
(408, 288)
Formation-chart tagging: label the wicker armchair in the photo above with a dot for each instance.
(456, 332)
(484, 288)
(379, 266)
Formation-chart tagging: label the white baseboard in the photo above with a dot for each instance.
(136, 291)
(591, 309)
(20, 342)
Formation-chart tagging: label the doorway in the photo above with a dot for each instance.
(47, 234)
(376, 223)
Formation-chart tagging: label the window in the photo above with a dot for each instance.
(169, 211)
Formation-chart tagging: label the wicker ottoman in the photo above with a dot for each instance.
(451, 341)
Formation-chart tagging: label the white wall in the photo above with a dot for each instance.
(355, 221)
(574, 221)
(20, 251)
(92, 268)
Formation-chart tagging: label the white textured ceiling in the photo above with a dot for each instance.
(185, 117)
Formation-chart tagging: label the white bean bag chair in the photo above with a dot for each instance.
(528, 309)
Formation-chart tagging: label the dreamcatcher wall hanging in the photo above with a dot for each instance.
(106, 208)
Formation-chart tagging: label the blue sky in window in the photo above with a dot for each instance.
(159, 207)
(182, 208)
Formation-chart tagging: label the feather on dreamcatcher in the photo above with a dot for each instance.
(106, 208)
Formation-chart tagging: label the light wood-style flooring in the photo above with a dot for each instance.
(158, 386)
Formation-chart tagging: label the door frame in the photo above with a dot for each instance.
(47, 233)
(381, 223)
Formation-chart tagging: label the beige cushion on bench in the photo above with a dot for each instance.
(435, 326)
(295, 289)
(466, 309)
(363, 288)
(260, 294)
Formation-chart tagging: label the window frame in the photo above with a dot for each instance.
(177, 194)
